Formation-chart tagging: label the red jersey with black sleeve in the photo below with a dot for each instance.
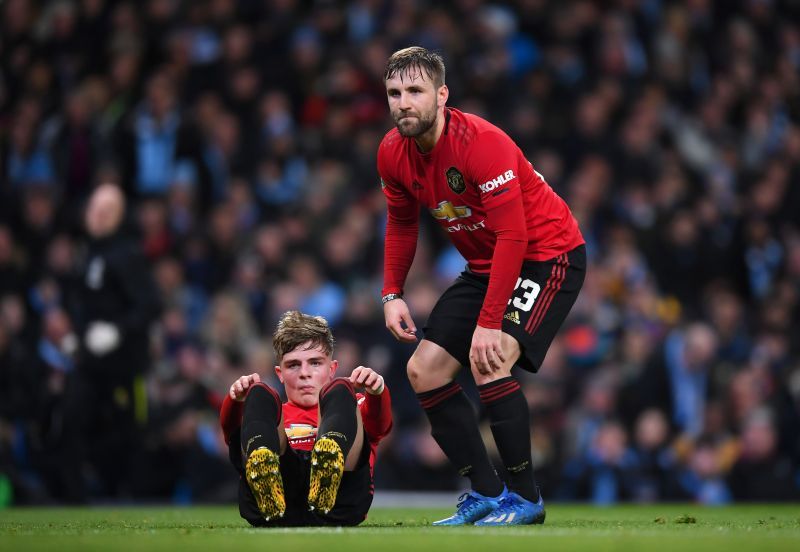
(496, 209)
(300, 423)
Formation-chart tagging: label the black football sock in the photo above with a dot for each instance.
(509, 418)
(455, 428)
(337, 407)
(262, 414)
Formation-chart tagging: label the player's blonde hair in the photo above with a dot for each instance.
(295, 329)
(416, 57)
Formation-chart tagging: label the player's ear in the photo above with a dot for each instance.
(278, 373)
(442, 95)
(334, 367)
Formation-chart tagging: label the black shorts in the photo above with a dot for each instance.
(543, 296)
(352, 501)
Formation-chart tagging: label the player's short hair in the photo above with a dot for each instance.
(428, 62)
(295, 329)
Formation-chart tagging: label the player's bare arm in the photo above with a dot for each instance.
(238, 390)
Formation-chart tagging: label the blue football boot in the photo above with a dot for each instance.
(515, 510)
(472, 507)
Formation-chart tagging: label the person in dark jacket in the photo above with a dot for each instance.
(116, 303)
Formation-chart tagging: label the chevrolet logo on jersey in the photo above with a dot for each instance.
(300, 431)
(450, 212)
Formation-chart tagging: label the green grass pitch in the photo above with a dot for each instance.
(673, 528)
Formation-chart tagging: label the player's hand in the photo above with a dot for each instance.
(486, 353)
(238, 390)
(399, 322)
(369, 379)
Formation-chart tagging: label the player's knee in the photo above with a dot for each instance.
(261, 392)
(337, 390)
(418, 376)
(483, 379)
(424, 376)
(413, 372)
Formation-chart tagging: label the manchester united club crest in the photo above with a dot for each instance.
(455, 180)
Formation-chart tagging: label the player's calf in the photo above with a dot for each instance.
(261, 446)
(337, 432)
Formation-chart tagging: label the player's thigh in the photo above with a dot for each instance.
(543, 297)
(455, 316)
(354, 455)
(431, 366)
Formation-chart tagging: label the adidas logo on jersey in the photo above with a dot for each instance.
(513, 316)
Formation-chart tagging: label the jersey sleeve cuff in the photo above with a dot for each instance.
(489, 322)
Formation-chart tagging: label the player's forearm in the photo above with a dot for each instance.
(508, 223)
(230, 416)
(377, 414)
(506, 265)
(399, 249)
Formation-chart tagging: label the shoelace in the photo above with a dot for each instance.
(466, 502)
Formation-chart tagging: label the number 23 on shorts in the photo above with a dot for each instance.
(530, 291)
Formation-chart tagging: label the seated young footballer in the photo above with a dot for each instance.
(310, 460)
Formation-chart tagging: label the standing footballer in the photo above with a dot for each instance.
(526, 264)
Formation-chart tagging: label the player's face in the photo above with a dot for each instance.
(304, 372)
(414, 102)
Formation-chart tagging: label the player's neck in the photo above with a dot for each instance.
(427, 141)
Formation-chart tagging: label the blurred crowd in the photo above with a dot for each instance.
(244, 133)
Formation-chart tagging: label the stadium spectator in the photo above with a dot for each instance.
(598, 405)
(11, 276)
(157, 141)
(655, 462)
(677, 379)
(702, 477)
(115, 305)
(55, 436)
(761, 472)
(605, 470)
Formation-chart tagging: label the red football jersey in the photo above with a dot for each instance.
(496, 209)
(300, 423)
